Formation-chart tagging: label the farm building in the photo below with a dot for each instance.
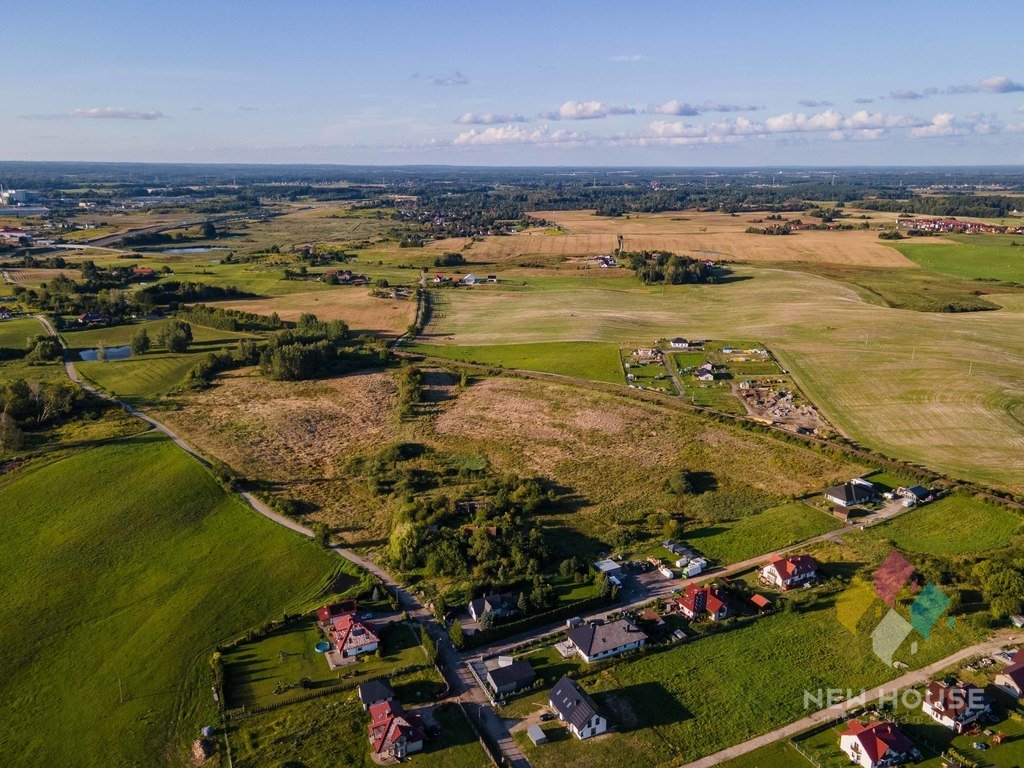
(1011, 678)
(600, 641)
(873, 745)
(789, 572)
(576, 709)
(393, 733)
(608, 567)
(511, 678)
(955, 705)
(916, 494)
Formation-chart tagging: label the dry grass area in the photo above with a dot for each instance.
(297, 435)
(37, 276)
(363, 313)
(720, 236)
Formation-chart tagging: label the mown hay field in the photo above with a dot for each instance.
(363, 313)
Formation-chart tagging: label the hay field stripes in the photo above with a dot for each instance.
(943, 390)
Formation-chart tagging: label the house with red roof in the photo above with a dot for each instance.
(326, 614)
(957, 706)
(697, 601)
(877, 744)
(393, 733)
(789, 572)
(351, 637)
(1011, 679)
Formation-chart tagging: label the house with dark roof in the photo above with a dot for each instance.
(955, 705)
(498, 605)
(393, 733)
(511, 678)
(915, 494)
(325, 614)
(789, 572)
(374, 692)
(576, 709)
(878, 744)
(1011, 679)
(851, 494)
(600, 641)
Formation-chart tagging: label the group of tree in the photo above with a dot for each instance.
(315, 348)
(669, 268)
(26, 405)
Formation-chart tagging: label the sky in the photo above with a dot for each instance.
(527, 83)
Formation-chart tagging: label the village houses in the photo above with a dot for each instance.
(788, 572)
(600, 641)
(576, 709)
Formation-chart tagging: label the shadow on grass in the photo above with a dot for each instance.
(641, 706)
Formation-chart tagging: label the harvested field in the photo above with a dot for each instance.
(363, 313)
(717, 236)
(36, 276)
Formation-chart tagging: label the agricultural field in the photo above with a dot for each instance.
(716, 236)
(141, 378)
(125, 592)
(586, 360)
(884, 377)
(15, 332)
(994, 257)
(954, 525)
(363, 312)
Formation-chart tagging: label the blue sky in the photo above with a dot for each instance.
(526, 83)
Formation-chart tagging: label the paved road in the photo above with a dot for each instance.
(456, 670)
(836, 711)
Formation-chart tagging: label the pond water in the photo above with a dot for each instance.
(113, 353)
(195, 249)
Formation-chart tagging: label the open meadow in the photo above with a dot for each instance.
(941, 389)
(125, 564)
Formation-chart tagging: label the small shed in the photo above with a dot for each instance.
(536, 734)
(608, 567)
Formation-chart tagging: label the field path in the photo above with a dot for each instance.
(471, 698)
(830, 714)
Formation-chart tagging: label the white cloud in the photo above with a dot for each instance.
(1000, 84)
(588, 110)
(110, 113)
(514, 134)
(947, 124)
(631, 57)
(792, 122)
(489, 118)
(685, 109)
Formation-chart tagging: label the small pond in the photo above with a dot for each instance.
(112, 353)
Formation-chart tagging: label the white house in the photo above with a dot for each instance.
(789, 572)
(679, 343)
(1011, 679)
(576, 709)
(599, 641)
(954, 705)
(470, 279)
(874, 745)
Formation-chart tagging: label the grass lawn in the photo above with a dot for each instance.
(123, 566)
(758, 534)
(953, 525)
(14, 332)
(668, 706)
(582, 359)
(331, 731)
(972, 256)
(781, 754)
(284, 657)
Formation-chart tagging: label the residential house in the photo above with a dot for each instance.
(351, 637)
(576, 709)
(877, 744)
(5, 312)
(93, 318)
(679, 343)
(511, 678)
(326, 614)
(600, 641)
(852, 493)
(141, 273)
(393, 733)
(696, 601)
(915, 494)
(789, 572)
(955, 705)
(1011, 678)
(374, 692)
(706, 372)
(494, 604)
(470, 280)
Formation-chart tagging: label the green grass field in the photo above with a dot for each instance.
(759, 534)
(953, 525)
(15, 331)
(781, 754)
(586, 360)
(139, 378)
(254, 670)
(123, 566)
(970, 256)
